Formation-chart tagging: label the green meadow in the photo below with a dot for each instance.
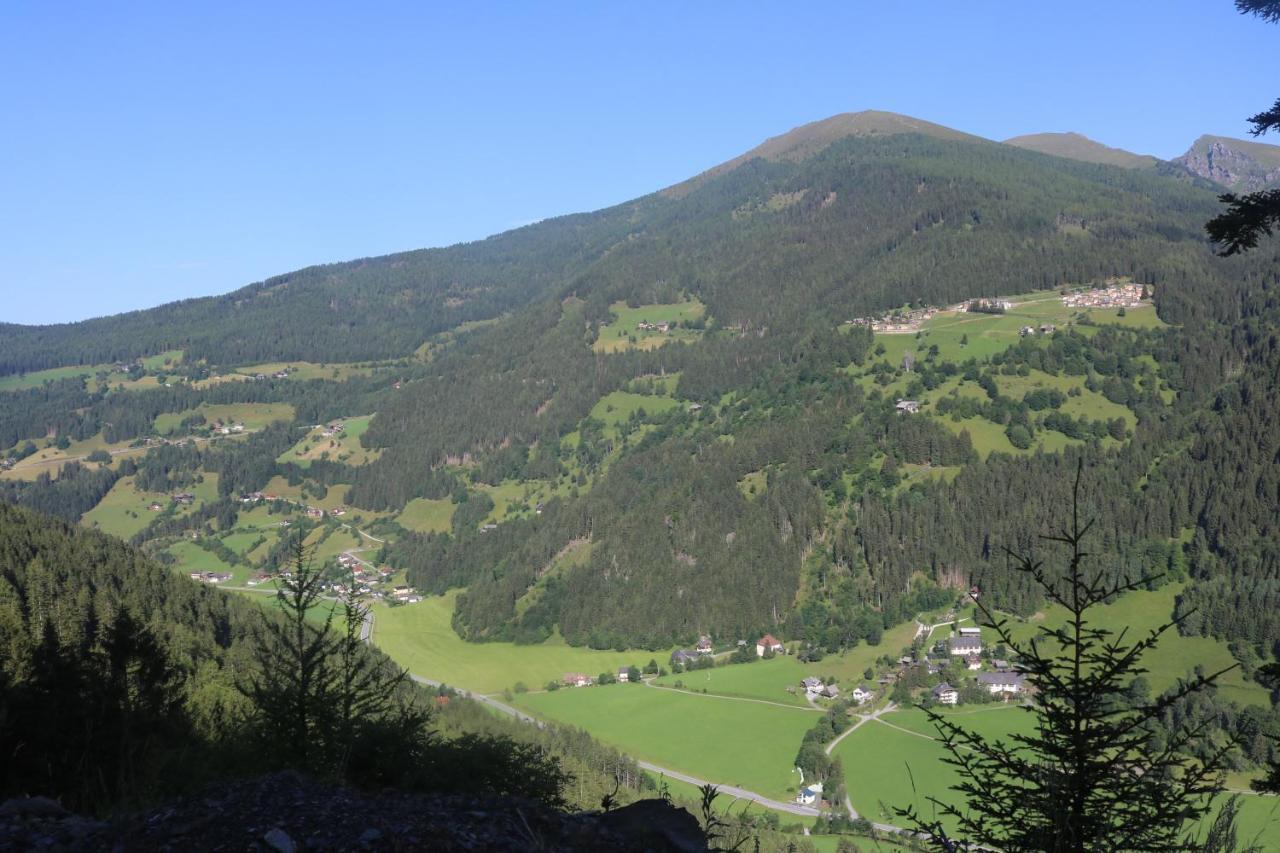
(344, 447)
(896, 762)
(622, 332)
(252, 415)
(420, 637)
(727, 741)
(424, 515)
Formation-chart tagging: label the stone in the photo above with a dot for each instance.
(279, 840)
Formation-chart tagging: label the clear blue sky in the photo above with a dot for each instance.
(154, 152)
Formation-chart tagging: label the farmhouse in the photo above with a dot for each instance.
(964, 645)
(809, 794)
(946, 694)
(767, 643)
(624, 674)
(184, 498)
(1003, 683)
(973, 662)
(402, 592)
(577, 679)
(908, 407)
(684, 656)
(812, 685)
(861, 693)
(831, 691)
(704, 645)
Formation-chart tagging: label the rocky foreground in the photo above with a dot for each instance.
(287, 812)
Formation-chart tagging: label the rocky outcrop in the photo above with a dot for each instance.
(289, 813)
(1234, 163)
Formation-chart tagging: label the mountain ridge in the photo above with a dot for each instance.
(1077, 146)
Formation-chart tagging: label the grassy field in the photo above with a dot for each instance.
(252, 415)
(304, 370)
(123, 510)
(749, 744)
(622, 334)
(896, 768)
(769, 679)
(427, 516)
(1175, 655)
(421, 638)
(345, 447)
(22, 381)
(615, 408)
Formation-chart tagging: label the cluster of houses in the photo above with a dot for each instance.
(1042, 329)
(664, 327)
(1128, 295)
(211, 577)
(988, 305)
(220, 428)
(578, 679)
(330, 430)
(896, 322)
(1005, 681)
(813, 687)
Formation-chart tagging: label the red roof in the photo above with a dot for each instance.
(768, 640)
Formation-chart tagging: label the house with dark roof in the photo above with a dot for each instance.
(1003, 683)
(946, 694)
(964, 645)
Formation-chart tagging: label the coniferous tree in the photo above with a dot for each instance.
(1092, 776)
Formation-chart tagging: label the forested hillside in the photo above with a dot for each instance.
(635, 426)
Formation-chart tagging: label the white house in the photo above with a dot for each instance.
(767, 643)
(861, 693)
(965, 645)
(946, 694)
(577, 679)
(624, 674)
(812, 685)
(809, 794)
(1003, 683)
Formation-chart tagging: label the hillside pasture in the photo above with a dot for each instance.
(424, 515)
(623, 332)
(344, 447)
(253, 415)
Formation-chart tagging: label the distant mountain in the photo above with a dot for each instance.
(1075, 146)
(1237, 164)
(808, 139)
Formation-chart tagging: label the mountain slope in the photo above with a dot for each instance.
(1237, 164)
(1076, 146)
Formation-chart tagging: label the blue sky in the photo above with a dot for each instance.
(155, 152)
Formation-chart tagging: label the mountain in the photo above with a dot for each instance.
(808, 139)
(1075, 146)
(531, 438)
(1237, 164)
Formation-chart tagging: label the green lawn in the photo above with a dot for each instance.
(420, 637)
(748, 744)
(616, 336)
(615, 408)
(21, 381)
(123, 510)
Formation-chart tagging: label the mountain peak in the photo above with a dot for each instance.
(1077, 146)
(808, 139)
(1237, 164)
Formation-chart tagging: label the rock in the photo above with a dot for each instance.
(31, 807)
(279, 840)
(656, 825)
(370, 835)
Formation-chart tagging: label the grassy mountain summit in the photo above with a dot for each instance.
(1238, 164)
(1076, 146)
(808, 139)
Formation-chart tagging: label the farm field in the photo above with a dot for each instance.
(420, 637)
(749, 744)
(344, 447)
(252, 415)
(22, 381)
(615, 408)
(897, 768)
(619, 334)
(123, 510)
